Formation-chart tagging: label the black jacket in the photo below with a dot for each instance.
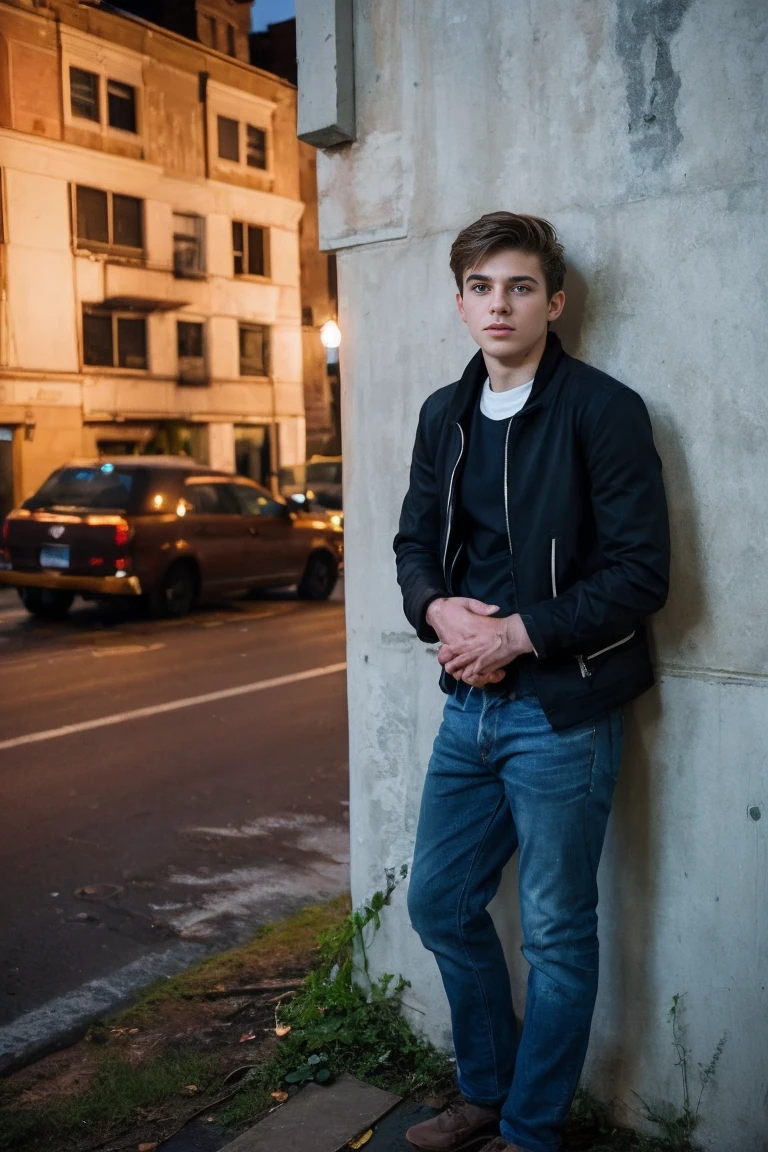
(586, 523)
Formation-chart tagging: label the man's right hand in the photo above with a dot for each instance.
(456, 619)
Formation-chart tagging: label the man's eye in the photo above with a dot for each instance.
(521, 288)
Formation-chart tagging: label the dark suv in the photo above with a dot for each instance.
(162, 528)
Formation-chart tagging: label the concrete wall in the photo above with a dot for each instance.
(637, 126)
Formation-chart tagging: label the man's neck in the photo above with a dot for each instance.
(507, 374)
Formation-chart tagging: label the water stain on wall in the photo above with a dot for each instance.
(644, 32)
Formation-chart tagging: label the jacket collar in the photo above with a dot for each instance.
(476, 373)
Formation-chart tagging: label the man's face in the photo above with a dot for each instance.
(506, 306)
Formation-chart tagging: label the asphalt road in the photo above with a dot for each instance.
(132, 845)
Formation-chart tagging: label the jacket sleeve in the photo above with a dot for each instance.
(417, 544)
(630, 512)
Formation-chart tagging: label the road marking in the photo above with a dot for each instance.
(171, 706)
(127, 649)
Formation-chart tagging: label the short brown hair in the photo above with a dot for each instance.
(500, 230)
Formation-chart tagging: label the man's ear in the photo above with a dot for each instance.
(460, 306)
(556, 305)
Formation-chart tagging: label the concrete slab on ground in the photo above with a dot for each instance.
(318, 1119)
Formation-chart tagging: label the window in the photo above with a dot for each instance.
(254, 350)
(249, 249)
(108, 486)
(108, 220)
(213, 499)
(84, 94)
(86, 100)
(229, 139)
(257, 502)
(190, 336)
(231, 40)
(188, 245)
(213, 38)
(256, 147)
(121, 105)
(114, 341)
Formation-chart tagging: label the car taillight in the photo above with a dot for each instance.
(122, 533)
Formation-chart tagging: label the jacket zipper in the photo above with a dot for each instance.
(506, 487)
(449, 514)
(553, 567)
(585, 672)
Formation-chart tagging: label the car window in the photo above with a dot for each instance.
(212, 499)
(257, 502)
(104, 487)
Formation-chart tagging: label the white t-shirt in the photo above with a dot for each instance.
(502, 405)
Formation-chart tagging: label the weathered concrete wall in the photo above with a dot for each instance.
(637, 126)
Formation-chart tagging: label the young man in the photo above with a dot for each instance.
(533, 544)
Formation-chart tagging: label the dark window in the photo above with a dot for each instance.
(254, 350)
(307, 318)
(256, 147)
(131, 342)
(92, 215)
(190, 339)
(257, 502)
(127, 225)
(249, 249)
(84, 94)
(98, 346)
(213, 499)
(213, 38)
(188, 245)
(231, 41)
(111, 341)
(121, 103)
(108, 220)
(107, 486)
(229, 139)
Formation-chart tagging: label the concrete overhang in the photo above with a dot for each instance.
(141, 304)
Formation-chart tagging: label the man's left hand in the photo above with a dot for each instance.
(500, 642)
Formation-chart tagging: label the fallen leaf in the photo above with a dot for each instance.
(219, 987)
(361, 1140)
(148, 1147)
(133, 1031)
(279, 1096)
(282, 1029)
(247, 1036)
(191, 1088)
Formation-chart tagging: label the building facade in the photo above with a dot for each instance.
(149, 252)
(638, 128)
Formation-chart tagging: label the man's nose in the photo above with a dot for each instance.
(499, 302)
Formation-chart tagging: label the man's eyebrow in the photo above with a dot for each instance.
(510, 279)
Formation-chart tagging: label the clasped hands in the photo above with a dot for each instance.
(476, 645)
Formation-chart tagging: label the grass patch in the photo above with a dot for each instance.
(115, 1098)
(283, 944)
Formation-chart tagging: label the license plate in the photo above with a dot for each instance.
(54, 556)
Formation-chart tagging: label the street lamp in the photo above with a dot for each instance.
(330, 334)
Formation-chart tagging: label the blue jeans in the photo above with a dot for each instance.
(501, 779)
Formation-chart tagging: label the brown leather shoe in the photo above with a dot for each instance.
(501, 1145)
(462, 1125)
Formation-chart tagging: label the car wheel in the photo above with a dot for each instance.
(320, 576)
(46, 602)
(175, 594)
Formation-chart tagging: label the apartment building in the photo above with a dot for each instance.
(149, 244)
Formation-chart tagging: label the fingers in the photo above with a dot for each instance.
(479, 608)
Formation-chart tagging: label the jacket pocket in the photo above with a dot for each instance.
(584, 661)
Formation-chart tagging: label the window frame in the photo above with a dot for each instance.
(105, 75)
(247, 110)
(245, 252)
(115, 318)
(190, 378)
(201, 272)
(266, 331)
(109, 248)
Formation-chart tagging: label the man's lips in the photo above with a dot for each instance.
(499, 328)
